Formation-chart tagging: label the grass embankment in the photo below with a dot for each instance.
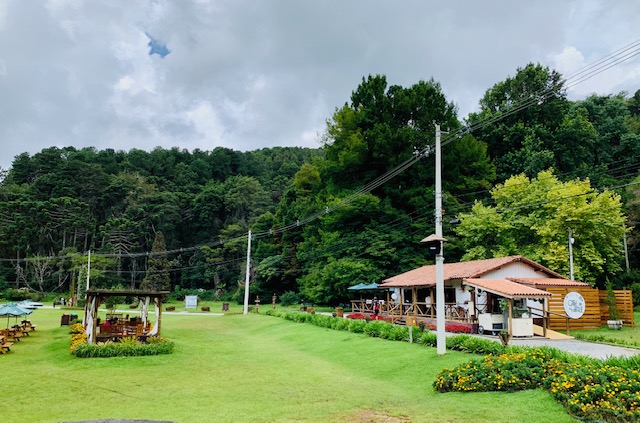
(249, 369)
(627, 336)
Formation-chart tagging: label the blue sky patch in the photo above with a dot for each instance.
(156, 47)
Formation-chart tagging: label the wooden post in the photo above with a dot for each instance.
(433, 301)
(414, 295)
(401, 301)
(545, 317)
(510, 317)
(159, 314)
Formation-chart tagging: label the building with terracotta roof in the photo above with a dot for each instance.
(495, 294)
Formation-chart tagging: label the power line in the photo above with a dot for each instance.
(613, 59)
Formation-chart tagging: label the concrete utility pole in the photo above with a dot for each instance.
(246, 279)
(440, 322)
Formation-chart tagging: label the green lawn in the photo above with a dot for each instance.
(251, 368)
(630, 336)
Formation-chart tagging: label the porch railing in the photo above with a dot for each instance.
(453, 311)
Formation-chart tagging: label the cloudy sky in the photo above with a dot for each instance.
(247, 74)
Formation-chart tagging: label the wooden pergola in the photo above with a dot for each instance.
(95, 297)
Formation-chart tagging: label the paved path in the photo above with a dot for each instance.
(576, 346)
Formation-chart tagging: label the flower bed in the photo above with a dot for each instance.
(588, 390)
(127, 347)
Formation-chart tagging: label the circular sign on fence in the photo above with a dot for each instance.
(574, 305)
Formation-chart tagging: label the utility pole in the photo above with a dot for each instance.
(626, 250)
(440, 323)
(571, 254)
(246, 279)
(88, 268)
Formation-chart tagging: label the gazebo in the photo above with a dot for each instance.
(95, 297)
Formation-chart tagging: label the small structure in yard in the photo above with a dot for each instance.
(139, 327)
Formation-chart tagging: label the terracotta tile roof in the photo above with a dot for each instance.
(549, 282)
(426, 275)
(506, 288)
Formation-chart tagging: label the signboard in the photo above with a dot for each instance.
(191, 301)
(574, 305)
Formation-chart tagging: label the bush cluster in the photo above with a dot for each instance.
(12, 294)
(127, 347)
(504, 372)
(589, 389)
(605, 339)
(290, 298)
(385, 330)
(607, 393)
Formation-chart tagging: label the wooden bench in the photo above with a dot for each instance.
(5, 346)
(11, 334)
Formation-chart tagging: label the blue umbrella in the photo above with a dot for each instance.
(357, 287)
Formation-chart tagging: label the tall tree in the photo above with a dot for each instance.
(532, 217)
(521, 139)
(157, 278)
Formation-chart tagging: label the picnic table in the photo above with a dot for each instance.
(4, 345)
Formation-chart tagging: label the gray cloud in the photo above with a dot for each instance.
(248, 74)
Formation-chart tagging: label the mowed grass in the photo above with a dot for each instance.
(251, 368)
(627, 333)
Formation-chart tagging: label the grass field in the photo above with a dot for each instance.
(629, 335)
(251, 368)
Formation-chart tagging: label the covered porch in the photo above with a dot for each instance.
(500, 304)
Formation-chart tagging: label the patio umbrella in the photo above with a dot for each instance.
(357, 287)
(29, 305)
(370, 286)
(12, 310)
(16, 310)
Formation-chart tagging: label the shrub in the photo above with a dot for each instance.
(290, 298)
(610, 300)
(357, 326)
(504, 372)
(127, 347)
(76, 328)
(597, 392)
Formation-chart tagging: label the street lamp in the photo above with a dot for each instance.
(571, 241)
(436, 244)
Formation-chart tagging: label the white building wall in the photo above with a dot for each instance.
(516, 270)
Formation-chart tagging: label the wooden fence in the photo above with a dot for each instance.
(596, 311)
(624, 301)
(589, 320)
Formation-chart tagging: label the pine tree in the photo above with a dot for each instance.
(157, 278)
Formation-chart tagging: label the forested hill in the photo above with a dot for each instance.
(318, 225)
(64, 201)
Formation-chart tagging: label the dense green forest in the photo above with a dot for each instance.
(177, 219)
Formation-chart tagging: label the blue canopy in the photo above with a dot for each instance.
(370, 286)
(357, 287)
(13, 309)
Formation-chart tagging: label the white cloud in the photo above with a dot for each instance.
(248, 74)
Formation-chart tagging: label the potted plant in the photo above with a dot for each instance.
(614, 321)
(504, 337)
